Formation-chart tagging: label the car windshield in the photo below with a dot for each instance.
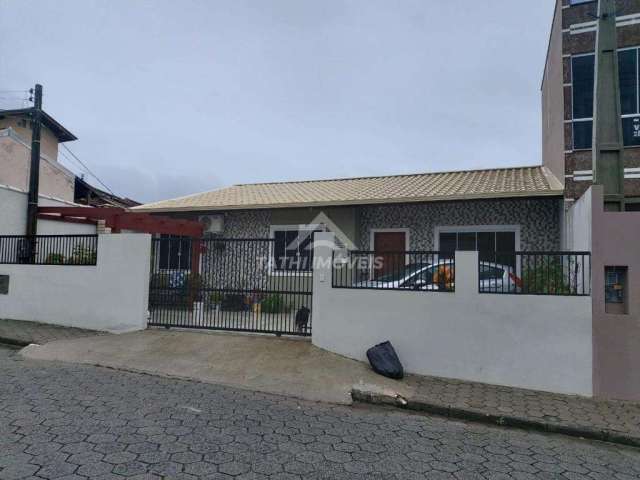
(401, 274)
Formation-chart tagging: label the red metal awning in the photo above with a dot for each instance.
(119, 219)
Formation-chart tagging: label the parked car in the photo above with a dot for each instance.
(441, 276)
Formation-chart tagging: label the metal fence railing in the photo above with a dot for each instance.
(49, 249)
(413, 270)
(237, 286)
(536, 273)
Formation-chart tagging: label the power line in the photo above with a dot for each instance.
(87, 169)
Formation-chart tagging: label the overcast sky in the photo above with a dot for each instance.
(173, 97)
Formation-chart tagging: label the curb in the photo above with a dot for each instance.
(13, 341)
(480, 416)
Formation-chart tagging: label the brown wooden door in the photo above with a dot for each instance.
(388, 246)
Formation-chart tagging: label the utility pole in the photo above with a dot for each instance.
(34, 172)
(608, 144)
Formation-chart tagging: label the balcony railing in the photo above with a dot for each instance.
(420, 271)
(535, 273)
(49, 249)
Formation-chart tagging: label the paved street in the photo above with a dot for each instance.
(69, 421)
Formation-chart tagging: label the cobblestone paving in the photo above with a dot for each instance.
(73, 422)
(549, 408)
(24, 332)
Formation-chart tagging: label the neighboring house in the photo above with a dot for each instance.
(567, 96)
(87, 194)
(56, 181)
(57, 184)
(504, 209)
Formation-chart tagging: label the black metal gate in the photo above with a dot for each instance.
(228, 284)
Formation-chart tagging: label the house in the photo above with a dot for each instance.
(58, 186)
(87, 194)
(508, 209)
(566, 321)
(56, 181)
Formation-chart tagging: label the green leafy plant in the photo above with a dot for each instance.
(274, 303)
(216, 298)
(55, 259)
(160, 280)
(193, 288)
(82, 256)
(549, 277)
(234, 302)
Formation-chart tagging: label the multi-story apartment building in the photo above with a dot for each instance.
(567, 95)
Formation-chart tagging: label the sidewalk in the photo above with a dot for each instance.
(22, 333)
(610, 421)
(296, 368)
(292, 367)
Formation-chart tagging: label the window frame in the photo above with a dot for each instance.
(476, 229)
(575, 120)
(288, 228)
(171, 240)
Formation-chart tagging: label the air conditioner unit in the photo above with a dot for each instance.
(213, 224)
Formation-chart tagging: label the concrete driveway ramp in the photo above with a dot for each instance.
(291, 367)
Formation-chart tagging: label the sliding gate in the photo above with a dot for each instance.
(228, 284)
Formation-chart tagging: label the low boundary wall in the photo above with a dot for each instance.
(111, 296)
(529, 341)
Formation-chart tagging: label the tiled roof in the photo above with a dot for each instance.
(423, 187)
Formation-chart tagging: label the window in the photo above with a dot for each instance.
(582, 71)
(632, 206)
(175, 252)
(486, 242)
(292, 248)
(490, 273)
(578, 2)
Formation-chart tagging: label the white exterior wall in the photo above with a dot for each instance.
(536, 342)
(578, 223)
(110, 296)
(13, 215)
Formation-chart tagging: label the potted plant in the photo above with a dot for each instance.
(215, 301)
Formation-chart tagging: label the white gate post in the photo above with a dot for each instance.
(323, 248)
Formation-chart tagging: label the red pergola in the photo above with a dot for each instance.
(119, 219)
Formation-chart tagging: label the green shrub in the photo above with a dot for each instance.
(82, 256)
(550, 277)
(160, 280)
(54, 259)
(274, 303)
(216, 298)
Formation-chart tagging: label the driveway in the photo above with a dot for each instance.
(78, 421)
(292, 367)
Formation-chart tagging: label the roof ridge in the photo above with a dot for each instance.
(398, 175)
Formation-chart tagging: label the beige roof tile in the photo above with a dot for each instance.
(423, 187)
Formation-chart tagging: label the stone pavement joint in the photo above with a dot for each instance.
(68, 421)
(604, 420)
(22, 332)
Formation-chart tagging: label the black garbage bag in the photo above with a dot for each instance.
(385, 361)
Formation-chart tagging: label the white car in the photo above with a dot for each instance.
(423, 276)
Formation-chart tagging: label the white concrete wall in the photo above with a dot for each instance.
(578, 224)
(111, 296)
(13, 212)
(537, 342)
